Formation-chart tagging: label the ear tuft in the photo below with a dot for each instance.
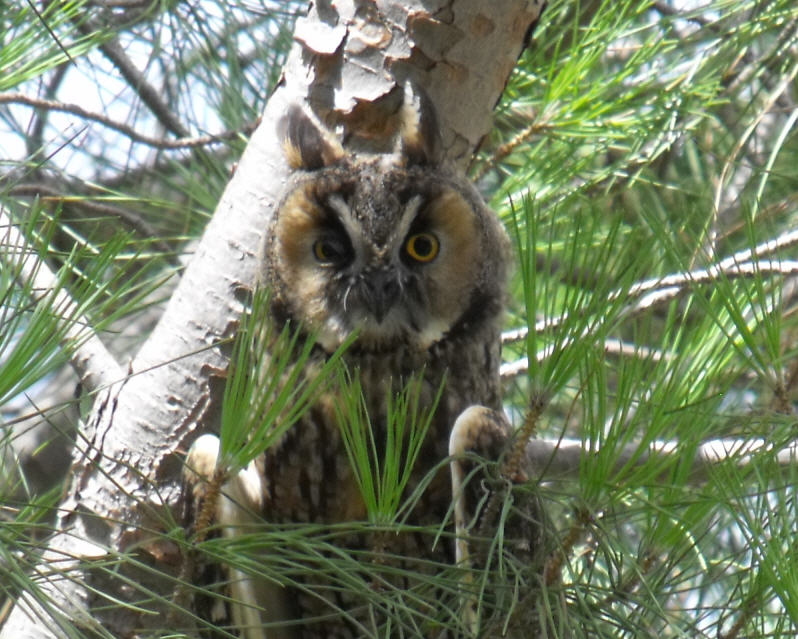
(420, 133)
(305, 144)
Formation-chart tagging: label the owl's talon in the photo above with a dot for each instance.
(233, 504)
(199, 471)
(476, 429)
(461, 440)
(200, 464)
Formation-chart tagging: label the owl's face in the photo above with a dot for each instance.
(398, 250)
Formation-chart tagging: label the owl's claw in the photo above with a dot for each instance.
(237, 499)
(234, 505)
(485, 431)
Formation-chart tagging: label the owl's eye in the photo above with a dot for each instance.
(331, 250)
(422, 247)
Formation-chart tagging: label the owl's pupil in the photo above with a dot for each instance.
(422, 246)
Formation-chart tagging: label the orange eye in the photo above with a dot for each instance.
(422, 247)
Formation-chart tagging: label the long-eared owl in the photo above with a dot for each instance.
(401, 250)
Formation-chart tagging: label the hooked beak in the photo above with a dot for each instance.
(380, 293)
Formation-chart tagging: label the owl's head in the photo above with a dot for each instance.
(393, 245)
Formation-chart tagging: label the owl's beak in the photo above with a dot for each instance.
(380, 293)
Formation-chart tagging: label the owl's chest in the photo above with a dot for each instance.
(309, 476)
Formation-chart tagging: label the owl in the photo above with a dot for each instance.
(401, 252)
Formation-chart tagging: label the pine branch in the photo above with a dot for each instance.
(745, 263)
(556, 459)
(93, 363)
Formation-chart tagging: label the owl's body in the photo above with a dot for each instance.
(404, 252)
(436, 317)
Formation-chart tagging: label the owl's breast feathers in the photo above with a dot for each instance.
(308, 474)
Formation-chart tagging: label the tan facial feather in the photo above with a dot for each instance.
(452, 274)
(297, 229)
(297, 224)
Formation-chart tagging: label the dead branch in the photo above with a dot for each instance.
(559, 459)
(184, 142)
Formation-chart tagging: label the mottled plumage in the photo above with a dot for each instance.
(403, 250)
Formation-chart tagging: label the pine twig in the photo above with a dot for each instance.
(745, 263)
(512, 469)
(92, 361)
(749, 607)
(552, 569)
(183, 142)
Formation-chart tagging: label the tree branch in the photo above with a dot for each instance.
(158, 143)
(35, 142)
(47, 192)
(95, 366)
(554, 459)
(511, 370)
(731, 160)
(148, 94)
(745, 263)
